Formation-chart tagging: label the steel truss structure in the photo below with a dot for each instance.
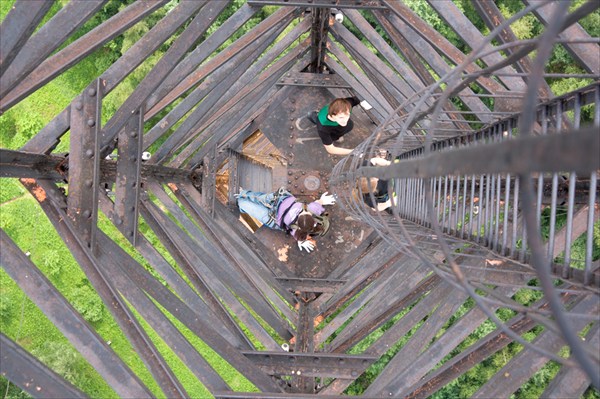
(482, 158)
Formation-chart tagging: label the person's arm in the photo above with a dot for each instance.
(382, 206)
(353, 100)
(333, 150)
(380, 161)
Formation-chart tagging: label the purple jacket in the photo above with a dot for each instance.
(294, 210)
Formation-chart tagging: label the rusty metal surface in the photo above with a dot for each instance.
(20, 367)
(470, 188)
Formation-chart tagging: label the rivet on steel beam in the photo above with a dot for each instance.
(89, 153)
(295, 80)
(88, 183)
(290, 173)
(341, 361)
(133, 183)
(291, 136)
(119, 221)
(292, 118)
(87, 213)
(133, 134)
(78, 105)
(133, 159)
(92, 92)
(295, 186)
(289, 182)
(354, 373)
(292, 127)
(91, 122)
(302, 191)
(130, 233)
(291, 145)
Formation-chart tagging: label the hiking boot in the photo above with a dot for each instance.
(313, 117)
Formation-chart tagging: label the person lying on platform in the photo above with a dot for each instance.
(378, 187)
(280, 210)
(333, 123)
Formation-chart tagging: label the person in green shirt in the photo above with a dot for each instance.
(333, 122)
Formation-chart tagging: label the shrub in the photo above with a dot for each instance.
(62, 358)
(87, 302)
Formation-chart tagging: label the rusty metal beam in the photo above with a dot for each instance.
(492, 17)
(586, 54)
(47, 40)
(180, 47)
(250, 96)
(233, 274)
(17, 27)
(202, 61)
(341, 4)
(119, 376)
(84, 162)
(213, 91)
(189, 298)
(32, 376)
(128, 180)
(319, 364)
(77, 50)
(24, 164)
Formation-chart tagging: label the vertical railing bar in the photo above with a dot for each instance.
(472, 202)
(486, 225)
(552, 215)
(506, 208)
(444, 207)
(457, 206)
(497, 228)
(570, 208)
(515, 226)
(464, 208)
(450, 200)
(480, 213)
(590, 230)
(411, 195)
(538, 205)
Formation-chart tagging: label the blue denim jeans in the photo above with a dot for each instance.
(260, 206)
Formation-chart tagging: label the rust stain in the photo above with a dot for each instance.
(38, 192)
(282, 253)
